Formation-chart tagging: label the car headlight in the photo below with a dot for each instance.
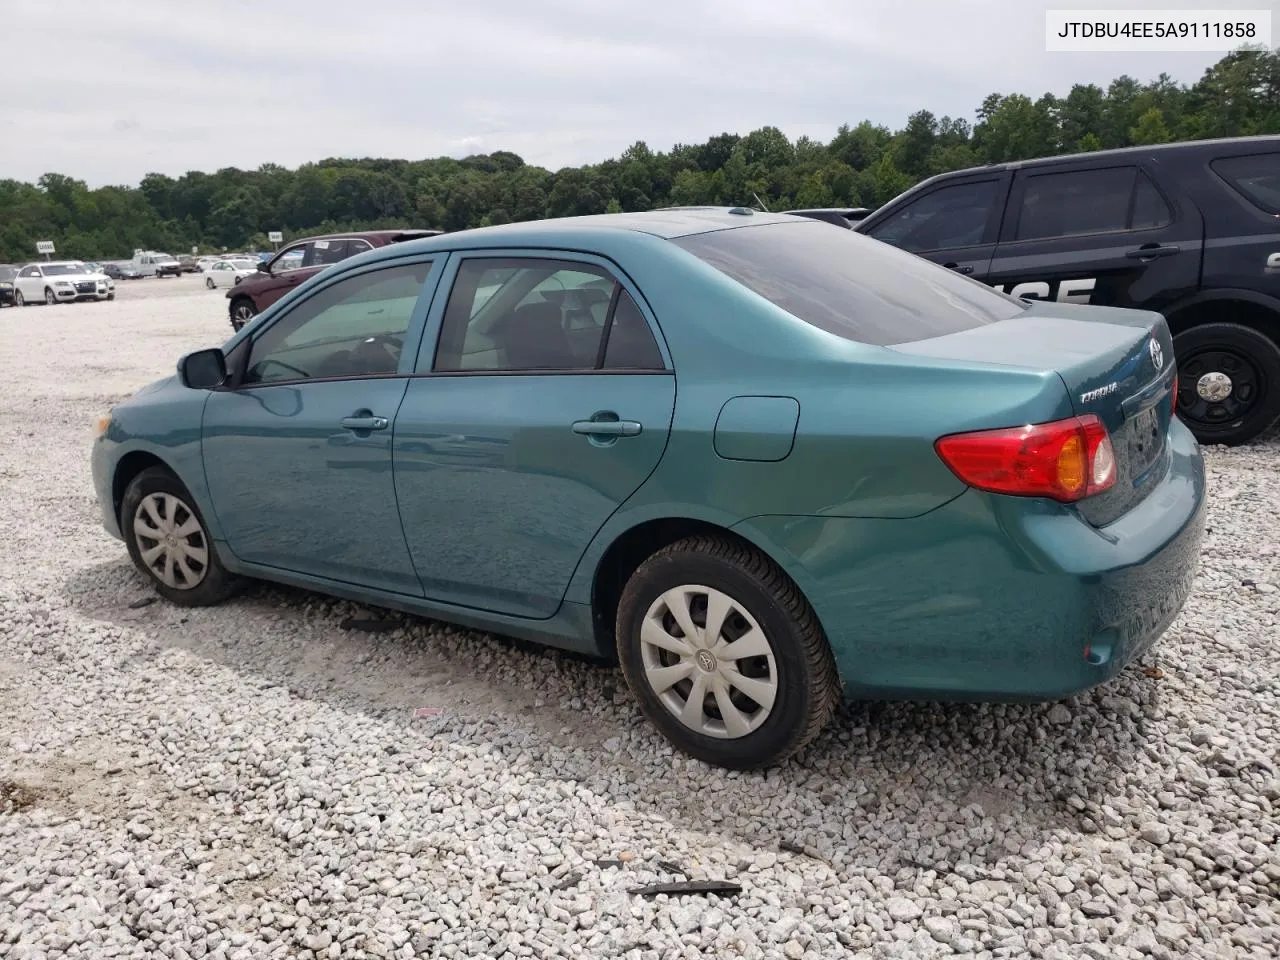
(102, 424)
(5, 285)
(62, 283)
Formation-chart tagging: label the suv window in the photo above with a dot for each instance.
(1083, 202)
(524, 314)
(30, 272)
(291, 259)
(849, 285)
(955, 215)
(1256, 178)
(324, 252)
(354, 328)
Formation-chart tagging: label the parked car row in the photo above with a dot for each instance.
(54, 281)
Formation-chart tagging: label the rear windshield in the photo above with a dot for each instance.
(1256, 177)
(850, 285)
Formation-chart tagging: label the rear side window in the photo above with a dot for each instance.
(1256, 178)
(848, 285)
(950, 216)
(1083, 202)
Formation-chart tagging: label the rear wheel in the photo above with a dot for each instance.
(18, 299)
(169, 542)
(208, 282)
(1228, 382)
(725, 655)
(242, 311)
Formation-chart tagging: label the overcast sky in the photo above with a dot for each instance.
(108, 90)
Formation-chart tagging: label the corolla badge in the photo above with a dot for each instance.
(1157, 353)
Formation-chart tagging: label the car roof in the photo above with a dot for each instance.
(666, 223)
(1184, 146)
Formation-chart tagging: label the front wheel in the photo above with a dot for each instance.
(49, 298)
(242, 311)
(725, 654)
(208, 282)
(169, 542)
(1228, 382)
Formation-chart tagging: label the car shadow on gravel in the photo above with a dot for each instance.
(899, 786)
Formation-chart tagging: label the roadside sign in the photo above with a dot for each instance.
(44, 246)
(275, 236)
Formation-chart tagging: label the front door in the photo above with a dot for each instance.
(955, 224)
(546, 404)
(1102, 234)
(297, 454)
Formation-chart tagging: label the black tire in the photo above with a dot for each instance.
(208, 282)
(1251, 362)
(803, 670)
(18, 299)
(49, 298)
(215, 582)
(242, 311)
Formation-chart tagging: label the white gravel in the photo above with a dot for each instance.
(250, 781)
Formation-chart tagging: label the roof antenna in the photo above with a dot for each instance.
(759, 201)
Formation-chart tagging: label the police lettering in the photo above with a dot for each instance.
(1069, 291)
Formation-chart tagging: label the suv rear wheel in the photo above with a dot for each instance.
(242, 311)
(1228, 382)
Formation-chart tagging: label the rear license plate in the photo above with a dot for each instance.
(1144, 440)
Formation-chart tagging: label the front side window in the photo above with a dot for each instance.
(30, 272)
(516, 314)
(291, 259)
(354, 328)
(1256, 178)
(850, 285)
(950, 216)
(1084, 202)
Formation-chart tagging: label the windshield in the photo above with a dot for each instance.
(8, 273)
(62, 269)
(850, 285)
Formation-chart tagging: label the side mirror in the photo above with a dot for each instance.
(263, 267)
(203, 370)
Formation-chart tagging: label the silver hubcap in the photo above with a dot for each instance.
(171, 541)
(708, 661)
(48, 296)
(1214, 387)
(243, 312)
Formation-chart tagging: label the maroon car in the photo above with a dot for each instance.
(301, 260)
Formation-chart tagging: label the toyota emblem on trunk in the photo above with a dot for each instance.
(1157, 353)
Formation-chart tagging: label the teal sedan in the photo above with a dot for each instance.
(766, 464)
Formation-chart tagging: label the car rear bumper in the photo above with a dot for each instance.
(997, 598)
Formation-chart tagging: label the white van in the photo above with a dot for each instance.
(149, 263)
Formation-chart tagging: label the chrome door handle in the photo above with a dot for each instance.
(607, 428)
(364, 423)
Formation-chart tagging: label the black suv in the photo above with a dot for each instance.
(1191, 230)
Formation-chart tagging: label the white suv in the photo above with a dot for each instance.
(60, 281)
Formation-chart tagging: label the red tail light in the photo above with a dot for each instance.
(1066, 460)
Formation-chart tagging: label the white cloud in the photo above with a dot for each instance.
(141, 85)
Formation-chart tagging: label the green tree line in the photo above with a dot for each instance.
(862, 165)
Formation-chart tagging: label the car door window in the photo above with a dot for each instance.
(354, 328)
(291, 259)
(950, 216)
(29, 272)
(630, 344)
(325, 252)
(1079, 203)
(358, 246)
(525, 314)
(1149, 208)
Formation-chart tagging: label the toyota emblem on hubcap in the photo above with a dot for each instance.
(1157, 353)
(706, 660)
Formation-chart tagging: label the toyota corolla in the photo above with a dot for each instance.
(766, 464)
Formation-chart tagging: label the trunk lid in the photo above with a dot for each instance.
(1115, 363)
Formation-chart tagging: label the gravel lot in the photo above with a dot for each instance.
(251, 781)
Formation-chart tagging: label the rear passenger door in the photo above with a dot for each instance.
(542, 405)
(955, 223)
(1101, 233)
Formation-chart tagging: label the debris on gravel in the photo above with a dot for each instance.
(249, 781)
